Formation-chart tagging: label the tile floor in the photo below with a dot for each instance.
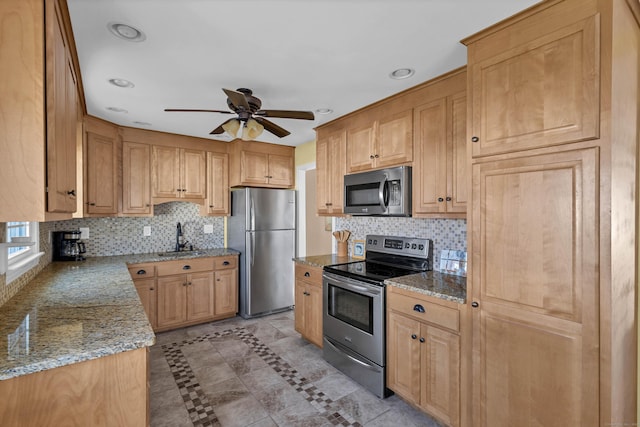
(259, 373)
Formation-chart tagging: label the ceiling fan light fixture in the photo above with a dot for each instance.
(402, 73)
(231, 127)
(251, 130)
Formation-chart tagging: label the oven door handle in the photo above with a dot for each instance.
(353, 359)
(352, 285)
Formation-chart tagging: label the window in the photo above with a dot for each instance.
(22, 258)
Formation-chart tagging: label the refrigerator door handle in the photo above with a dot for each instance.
(252, 247)
(252, 216)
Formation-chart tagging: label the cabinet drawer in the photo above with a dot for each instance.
(140, 271)
(308, 273)
(222, 262)
(433, 313)
(167, 268)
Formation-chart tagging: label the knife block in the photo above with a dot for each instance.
(342, 248)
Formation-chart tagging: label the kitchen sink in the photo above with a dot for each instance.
(181, 253)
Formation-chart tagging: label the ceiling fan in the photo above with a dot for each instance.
(247, 107)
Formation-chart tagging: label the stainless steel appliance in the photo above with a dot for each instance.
(354, 306)
(262, 228)
(380, 192)
(67, 246)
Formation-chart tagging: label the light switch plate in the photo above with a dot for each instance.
(146, 230)
(208, 228)
(84, 232)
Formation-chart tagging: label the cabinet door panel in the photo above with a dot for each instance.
(226, 292)
(147, 291)
(536, 259)
(543, 93)
(394, 142)
(193, 174)
(457, 155)
(430, 167)
(254, 167)
(300, 308)
(440, 391)
(165, 171)
(313, 313)
(280, 170)
(331, 168)
(136, 177)
(172, 302)
(218, 183)
(403, 357)
(200, 296)
(360, 147)
(102, 186)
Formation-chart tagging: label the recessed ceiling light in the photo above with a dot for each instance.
(402, 73)
(141, 123)
(121, 83)
(324, 111)
(117, 109)
(126, 32)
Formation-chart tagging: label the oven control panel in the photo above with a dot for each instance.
(406, 246)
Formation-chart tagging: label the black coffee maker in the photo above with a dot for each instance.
(67, 246)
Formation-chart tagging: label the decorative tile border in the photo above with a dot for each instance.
(200, 409)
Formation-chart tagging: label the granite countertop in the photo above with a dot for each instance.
(322, 260)
(433, 283)
(169, 256)
(76, 311)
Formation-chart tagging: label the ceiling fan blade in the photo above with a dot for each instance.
(272, 127)
(286, 114)
(237, 99)
(219, 129)
(197, 111)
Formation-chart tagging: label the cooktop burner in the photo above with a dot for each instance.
(387, 257)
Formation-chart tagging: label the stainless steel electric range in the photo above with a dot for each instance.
(354, 306)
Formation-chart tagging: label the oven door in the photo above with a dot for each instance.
(353, 315)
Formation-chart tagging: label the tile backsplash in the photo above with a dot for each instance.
(445, 233)
(122, 236)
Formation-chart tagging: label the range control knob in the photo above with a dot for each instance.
(414, 246)
(421, 247)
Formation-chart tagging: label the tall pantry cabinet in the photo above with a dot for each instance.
(553, 127)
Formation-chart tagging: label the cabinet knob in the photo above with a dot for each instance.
(371, 156)
(211, 206)
(92, 204)
(225, 263)
(421, 339)
(186, 267)
(475, 139)
(184, 284)
(217, 280)
(150, 289)
(141, 272)
(440, 199)
(475, 304)
(328, 204)
(448, 199)
(419, 308)
(71, 192)
(414, 336)
(376, 156)
(306, 274)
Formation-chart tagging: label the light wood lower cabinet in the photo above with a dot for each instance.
(107, 391)
(423, 353)
(308, 300)
(178, 293)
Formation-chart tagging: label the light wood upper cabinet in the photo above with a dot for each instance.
(136, 178)
(260, 164)
(375, 140)
(440, 158)
(101, 168)
(217, 202)
(542, 92)
(62, 122)
(331, 167)
(178, 173)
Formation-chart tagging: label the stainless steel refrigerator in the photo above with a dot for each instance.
(262, 226)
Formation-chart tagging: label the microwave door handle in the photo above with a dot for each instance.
(383, 194)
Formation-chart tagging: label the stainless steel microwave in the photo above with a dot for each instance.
(384, 192)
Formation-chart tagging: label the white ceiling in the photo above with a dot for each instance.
(293, 54)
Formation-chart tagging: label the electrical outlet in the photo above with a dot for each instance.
(208, 228)
(84, 233)
(147, 230)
